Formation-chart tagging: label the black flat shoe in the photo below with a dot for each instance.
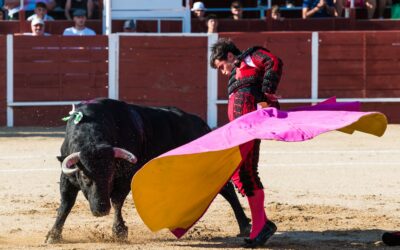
(266, 232)
(391, 239)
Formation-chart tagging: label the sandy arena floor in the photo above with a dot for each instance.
(334, 192)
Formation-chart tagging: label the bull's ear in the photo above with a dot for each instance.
(60, 158)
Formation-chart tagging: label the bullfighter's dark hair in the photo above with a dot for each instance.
(220, 50)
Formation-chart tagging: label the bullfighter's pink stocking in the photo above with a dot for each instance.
(258, 216)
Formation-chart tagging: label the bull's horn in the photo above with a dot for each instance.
(68, 162)
(124, 154)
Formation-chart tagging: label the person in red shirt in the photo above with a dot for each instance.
(254, 77)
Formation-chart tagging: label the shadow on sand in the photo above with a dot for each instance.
(56, 132)
(346, 239)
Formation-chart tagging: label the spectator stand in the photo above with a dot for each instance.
(251, 8)
(289, 9)
(256, 8)
(146, 10)
(251, 11)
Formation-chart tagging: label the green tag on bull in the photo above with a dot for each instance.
(77, 116)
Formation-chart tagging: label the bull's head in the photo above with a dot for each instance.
(94, 171)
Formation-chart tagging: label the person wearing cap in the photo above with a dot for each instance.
(236, 10)
(40, 12)
(72, 5)
(79, 29)
(199, 10)
(129, 26)
(37, 28)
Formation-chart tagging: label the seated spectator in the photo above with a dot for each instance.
(395, 10)
(289, 4)
(319, 8)
(60, 5)
(236, 10)
(212, 23)
(79, 29)
(13, 6)
(370, 5)
(129, 26)
(40, 12)
(199, 10)
(5, 8)
(71, 5)
(2, 15)
(37, 28)
(96, 9)
(382, 6)
(276, 13)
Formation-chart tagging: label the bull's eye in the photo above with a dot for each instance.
(85, 178)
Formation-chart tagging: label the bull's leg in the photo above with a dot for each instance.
(120, 230)
(68, 198)
(228, 192)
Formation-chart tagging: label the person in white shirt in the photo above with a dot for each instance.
(13, 6)
(40, 12)
(79, 29)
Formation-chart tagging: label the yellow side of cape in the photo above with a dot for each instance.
(374, 124)
(176, 190)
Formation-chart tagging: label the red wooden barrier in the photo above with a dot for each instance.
(9, 27)
(3, 80)
(359, 64)
(382, 64)
(164, 71)
(363, 65)
(57, 27)
(341, 64)
(57, 68)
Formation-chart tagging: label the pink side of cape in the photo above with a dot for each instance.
(296, 125)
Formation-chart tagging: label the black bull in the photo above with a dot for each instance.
(100, 149)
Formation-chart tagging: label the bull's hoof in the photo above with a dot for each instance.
(120, 232)
(245, 230)
(53, 238)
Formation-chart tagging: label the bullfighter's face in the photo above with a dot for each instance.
(225, 66)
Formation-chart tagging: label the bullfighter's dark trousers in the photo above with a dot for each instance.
(246, 178)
